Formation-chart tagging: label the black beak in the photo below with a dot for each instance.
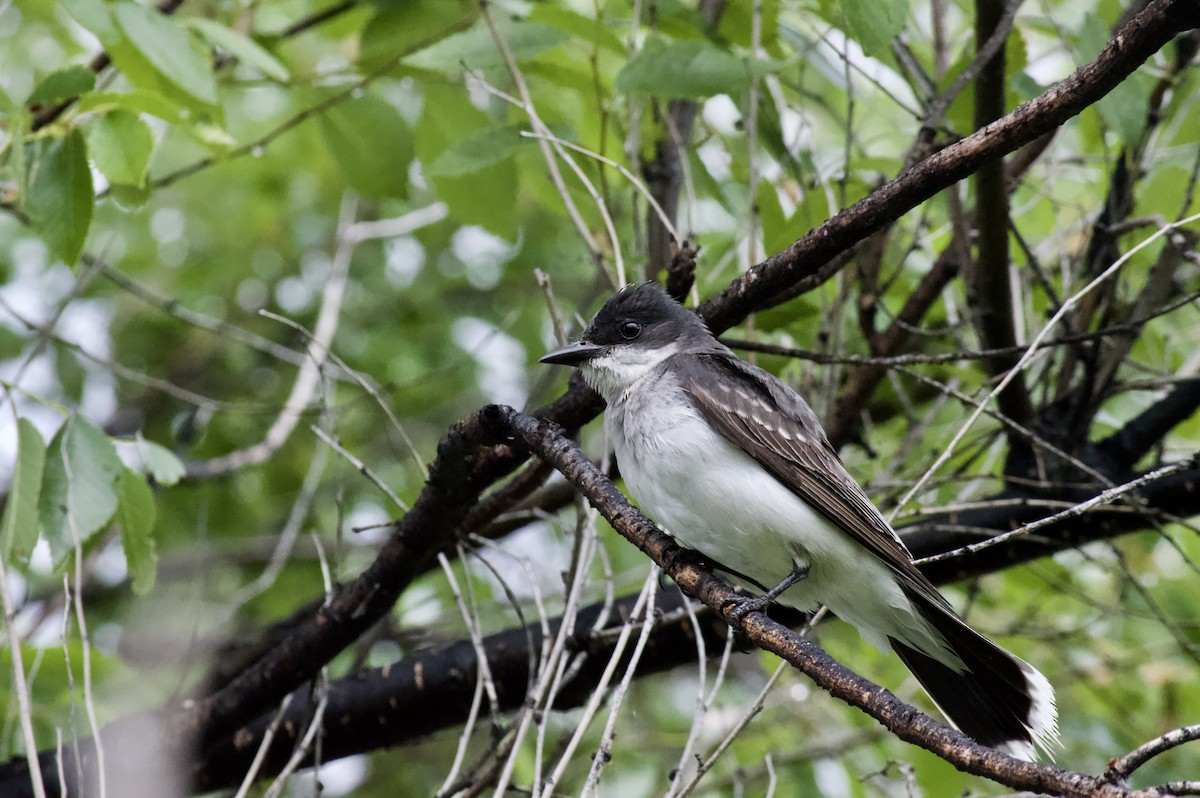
(572, 354)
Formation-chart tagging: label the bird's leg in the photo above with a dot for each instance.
(760, 603)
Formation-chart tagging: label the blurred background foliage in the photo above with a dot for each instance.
(198, 182)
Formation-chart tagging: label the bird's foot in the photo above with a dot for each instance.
(760, 603)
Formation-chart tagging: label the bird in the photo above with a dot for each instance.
(734, 464)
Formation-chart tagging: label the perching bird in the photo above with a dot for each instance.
(734, 464)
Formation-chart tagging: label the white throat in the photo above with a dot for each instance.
(622, 366)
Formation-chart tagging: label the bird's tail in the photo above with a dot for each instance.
(997, 698)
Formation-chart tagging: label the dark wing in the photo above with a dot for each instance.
(770, 422)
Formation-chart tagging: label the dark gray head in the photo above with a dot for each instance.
(642, 316)
(639, 327)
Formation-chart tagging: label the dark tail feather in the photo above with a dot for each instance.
(999, 700)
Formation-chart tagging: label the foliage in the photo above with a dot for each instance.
(179, 226)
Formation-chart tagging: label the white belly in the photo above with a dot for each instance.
(679, 471)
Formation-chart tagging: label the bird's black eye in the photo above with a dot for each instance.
(630, 330)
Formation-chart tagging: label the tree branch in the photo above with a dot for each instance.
(1130, 443)
(1135, 42)
(989, 290)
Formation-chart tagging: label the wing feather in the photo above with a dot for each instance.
(769, 421)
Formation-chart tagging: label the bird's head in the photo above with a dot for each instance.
(638, 328)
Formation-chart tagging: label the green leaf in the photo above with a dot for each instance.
(159, 462)
(475, 151)
(246, 50)
(79, 485)
(138, 101)
(486, 197)
(19, 529)
(777, 231)
(874, 23)
(169, 50)
(399, 28)
(12, 344)
(737, 22)
(596, 31)
(121, 144)
(686, 69)
(59, 198)
(371, 143)
(1124, 109)
(137, 516)
(63, 85)
(476, 49)
(95, 17)
(129, 197)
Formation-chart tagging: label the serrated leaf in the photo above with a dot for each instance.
(371, 143)
(477, 50)
(63, 85)
(168, 48)
(687, 69)
(19, 529)
(160, 462)
(59, 198)
(120, 145)
(246, 50)
(137, 516)
(475, 151)
(874, 23)
(79, 485)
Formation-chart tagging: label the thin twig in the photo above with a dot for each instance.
(261, 754)
(359, 466)
(89, 697)
(287, 537)
(604, 751)
(624, 172)
(1122, 767)
(1104, 497)
(526, 104)
(20, 686)
(309, 377)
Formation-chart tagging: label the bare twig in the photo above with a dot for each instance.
(309, 377)
(644, 617)
(1122, 767)
(360, 467)
(263, 747)
(20, 686)
(1104, 497)
(89, 697)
